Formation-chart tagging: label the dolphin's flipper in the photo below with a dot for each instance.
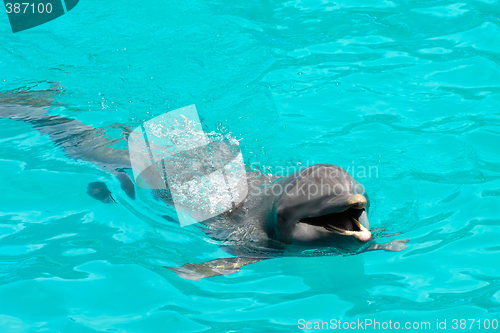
(395, 245)
(126, 183)
(99, 191)
(222, 266)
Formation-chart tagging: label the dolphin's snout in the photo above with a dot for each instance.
(363, 235)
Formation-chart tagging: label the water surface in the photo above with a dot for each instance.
(411, 88)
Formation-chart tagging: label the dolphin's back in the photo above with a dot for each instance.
(76, 139)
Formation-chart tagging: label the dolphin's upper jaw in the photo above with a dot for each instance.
(348, 222)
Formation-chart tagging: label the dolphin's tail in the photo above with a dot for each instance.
(76, 139)
(222, 266)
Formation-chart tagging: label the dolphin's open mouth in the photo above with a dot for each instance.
(344, 223)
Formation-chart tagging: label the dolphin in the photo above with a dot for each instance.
(318, 207)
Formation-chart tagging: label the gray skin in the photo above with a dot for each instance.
(318, 207)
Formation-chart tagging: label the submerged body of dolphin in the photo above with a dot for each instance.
(321, 206)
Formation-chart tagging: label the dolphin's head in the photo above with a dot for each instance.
(321, 205)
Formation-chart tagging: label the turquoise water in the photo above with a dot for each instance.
(411, 88)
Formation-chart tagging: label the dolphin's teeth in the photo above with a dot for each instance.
(335, 228)
(360, 226)
(363, 234)
(343, 231)
(355, 221)
(349, 232)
